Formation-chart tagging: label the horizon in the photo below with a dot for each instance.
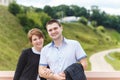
(112, 8)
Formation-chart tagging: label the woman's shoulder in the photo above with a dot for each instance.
(26, 50)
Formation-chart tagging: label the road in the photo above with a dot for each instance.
(98, 62)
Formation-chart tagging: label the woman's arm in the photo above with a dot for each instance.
(20, 65)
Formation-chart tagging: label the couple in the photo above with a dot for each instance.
(58, 55)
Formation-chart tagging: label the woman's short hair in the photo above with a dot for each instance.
(35, 31)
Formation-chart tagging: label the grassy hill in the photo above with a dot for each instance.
(92, 39)
(13, 38)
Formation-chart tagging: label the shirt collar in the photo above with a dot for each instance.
(35, 51)
(64, 42)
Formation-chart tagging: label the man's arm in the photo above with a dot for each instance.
(48, 74)
(45, 72)
(84, 63)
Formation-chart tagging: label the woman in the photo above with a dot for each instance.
(27, 67)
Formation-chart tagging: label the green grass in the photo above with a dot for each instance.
(13, 39)
(115, 61)
(91, 40)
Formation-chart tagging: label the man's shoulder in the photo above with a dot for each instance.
(72, 41)
(46, 48)
(47, 45)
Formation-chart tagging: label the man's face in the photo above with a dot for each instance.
(54, 31)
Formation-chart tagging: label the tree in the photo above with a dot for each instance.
(76, 10)
(38, 10)
(26, 22)
(14, 8)
(47, 9)
(79, 11)
(83, 12)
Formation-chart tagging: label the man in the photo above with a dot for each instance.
(59, 54)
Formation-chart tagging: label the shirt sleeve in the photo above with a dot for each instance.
(80, 53)
(43, 59)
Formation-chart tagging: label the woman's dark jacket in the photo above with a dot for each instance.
(27, 67)
(75, 72)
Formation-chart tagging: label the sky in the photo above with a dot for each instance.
(109, 6)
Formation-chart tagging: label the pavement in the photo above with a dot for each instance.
(99, 64)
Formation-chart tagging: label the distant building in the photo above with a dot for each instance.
(94, 7)
(69, 19)
(5, 2)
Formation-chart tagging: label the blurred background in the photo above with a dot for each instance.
(95, 24)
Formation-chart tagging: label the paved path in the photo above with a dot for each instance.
(99, 64)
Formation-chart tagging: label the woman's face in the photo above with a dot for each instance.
(37, 42)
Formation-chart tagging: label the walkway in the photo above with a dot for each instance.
(98, 62)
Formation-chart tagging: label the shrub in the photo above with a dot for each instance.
(94, 23)
(101, 28)
(14, 8)
(83, 20)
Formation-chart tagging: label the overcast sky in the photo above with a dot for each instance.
(109, 6)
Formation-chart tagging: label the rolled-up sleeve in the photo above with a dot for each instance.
(80, 53)
(43, 60)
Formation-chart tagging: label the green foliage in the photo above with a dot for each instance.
(44, 18)
(83, 20)
(26, 22)
(47, 9)
(38, 10)
(79, 11)
(95, 14)
(33, 19)
(101, 28)
(94, 23)
(39, 18)
(14, 8)
(114, 35)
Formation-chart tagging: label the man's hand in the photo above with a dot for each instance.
(48, 74)
(60, 76)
